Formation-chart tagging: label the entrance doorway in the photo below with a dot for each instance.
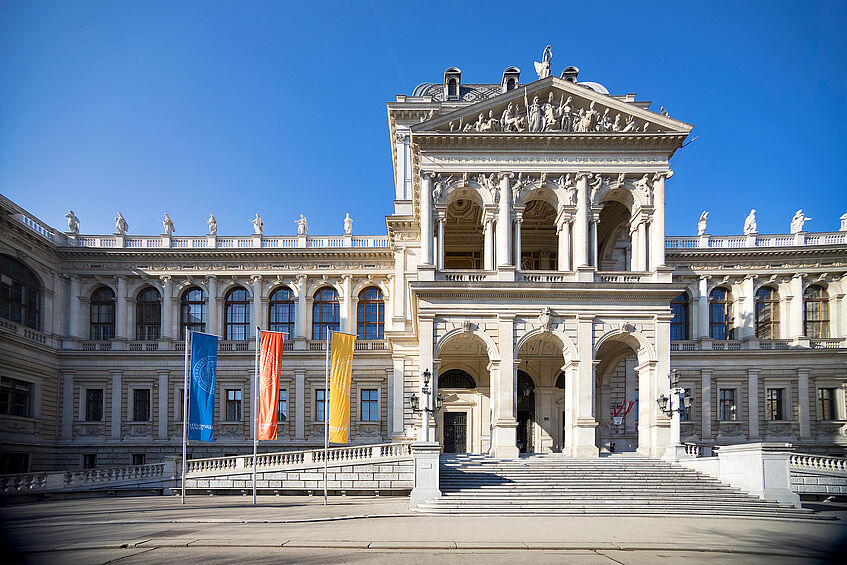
(455, 432)
(526, 413)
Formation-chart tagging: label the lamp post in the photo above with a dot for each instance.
(427, 410)
(674, 406)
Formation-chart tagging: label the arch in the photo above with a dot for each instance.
(365, 283)
(370, 313)
(192, 309)
(230, 286)
(636, 340)
(491, 347)
(20, 289)
(721, 315)
(539, 238)
(326, 311)
(816, 311)
(282, 310)
(464, 235)
(102, 313)
(569, 351)
(148, 313)
(237, 319)
(456, 378)
(614, 244)
(471, 190)
(313, 288)
(766, 308)
(627, 196)
(543, 193)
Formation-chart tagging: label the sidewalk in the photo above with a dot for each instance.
(160, 528)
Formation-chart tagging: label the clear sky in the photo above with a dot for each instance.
(279, 107)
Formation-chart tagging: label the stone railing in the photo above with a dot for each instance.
(802, 239)
(804, 461)
(455, 275)
(753, 344)
(188, 243)
(543, 276)
(87, 479)
(28, 334)
(283, 459)
(620, 276)
(371, 345)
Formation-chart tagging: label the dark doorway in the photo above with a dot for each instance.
(526, 413)
(455, 432)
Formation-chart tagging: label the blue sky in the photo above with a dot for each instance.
(239, 107)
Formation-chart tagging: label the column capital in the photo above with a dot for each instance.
(427, 174)
(583, 175)
(255, 278)
(662, 175)
(166, 279)
(505, 174)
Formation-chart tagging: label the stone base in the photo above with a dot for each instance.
(426, 479)
(504, 444)
(675, 453)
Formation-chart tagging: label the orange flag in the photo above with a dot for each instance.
(339, 386)
(269, 369)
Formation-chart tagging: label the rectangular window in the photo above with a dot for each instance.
(774, 400)
(282, 415)
(826, 404)
(89, 461)
(94, 405)
(181, 405)
(370, 405)
(15, 397)
(727, 404)
(13, 463)
(233, 405)
(685, 414)
(141, 405)
(320, 404)
(139, 459)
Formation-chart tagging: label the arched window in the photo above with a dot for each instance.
(192, 312)
(325, 312)
(281, 312)
(767, 313)
(679, 323)
(103, 314)
(455, 378)
(371, 319)
(720, 314)
(237, 314)
(816, 312)
(148, 315)
(19, 294)
(452, 87)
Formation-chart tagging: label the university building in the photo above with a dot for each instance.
(525, 267)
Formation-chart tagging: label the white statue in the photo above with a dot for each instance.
(701, 223)
(536, 120)
(213, 224)
(348, 224)
(258, 224)
(798, 220)
(73, 222)
(843, 222)
(750, 227)
(302, 225)
(121, 226)
(543, 68)
(168, 224)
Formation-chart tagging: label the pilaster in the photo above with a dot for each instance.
(580, 225)
(753, 403)
(657, 244)
(803, 403)
(68, 404)
(706, 403)
(299, 404)
(504, 221)
(584, 424)
(162, 394)
(426, 217)
(115, 420)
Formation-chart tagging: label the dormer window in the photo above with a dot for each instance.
(510, 79)
(452, 83)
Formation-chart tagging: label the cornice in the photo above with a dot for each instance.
(667, 141)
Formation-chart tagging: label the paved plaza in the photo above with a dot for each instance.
(293, 529)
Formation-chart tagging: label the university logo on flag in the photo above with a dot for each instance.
(339, 386)
(201, 405)
(269, 368)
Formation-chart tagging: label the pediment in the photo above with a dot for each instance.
(552, 105)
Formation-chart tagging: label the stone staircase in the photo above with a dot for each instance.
(617, 485)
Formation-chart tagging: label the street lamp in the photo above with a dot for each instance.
(674, 406)
(416, 407)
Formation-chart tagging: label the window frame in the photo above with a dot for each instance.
(316, 401)
(775, 407)
(736, 409)
(372, 403)
(27, 292)
(86, 457)
(237, 330)
(282, 407)
(136, 456)
(320, 326)
(83, 404)
(239, 406)
(12, 384)
(105, 307)
(276, 306)
(823, 322)
(366, 327)
(130, 416)
(767, 327)
(148, 330)
(681, 320)
(727, 326)
(837, 400)
(186, 309)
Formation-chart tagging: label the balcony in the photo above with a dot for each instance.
(802, 239)
(753, 344)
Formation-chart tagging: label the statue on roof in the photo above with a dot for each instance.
(843, 222)
(302, 225)
(348, 224)
(798, 220)
(701, 223)
(213, 224)
(168, 224)
(121, 227)
(73, 222)
(258, 224)
(750, 227)
(543, 68)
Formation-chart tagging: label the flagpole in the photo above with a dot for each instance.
(185, 415)
(256, 411)
(326, 409)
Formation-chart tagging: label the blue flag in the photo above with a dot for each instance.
(201, 403)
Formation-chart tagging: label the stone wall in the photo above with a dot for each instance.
(816, 483)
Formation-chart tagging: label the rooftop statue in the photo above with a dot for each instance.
(73, 222)
(213, 224)
(750, 227)
(258, 224)
(302, 225)
(543, 68)
(798, 220)
(701, 223)
(348, 224)
(121, 227)
(168, 224)
(843, 222)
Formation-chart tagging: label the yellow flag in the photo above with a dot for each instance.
(339, 386)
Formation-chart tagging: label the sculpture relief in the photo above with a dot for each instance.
(121, 227)
(701, 223)
(798, 220)
(750, 227)
(213, 224)
(545, 319)
(168, 224)
(73, 222)
(644, 186)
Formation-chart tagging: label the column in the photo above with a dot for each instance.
(121, 329)
(74, 307)
(657, 245)
(258, 313)
(753, 402)
(212, 308)
(504, 221)
(517, 239)
(441, 250)
(116, 405)
(426, 323)
(803, 403)
(636, 249)
(505, 440)
(163, 405)
(67, 404)
(167, 309)
(300, 313)
(595, 245)
(706, 403)
(643, 245)
(564, 257)
(795, 317)
(747, 315)
(631, 377)
(299, 404)
(584, 424)
(660, 436)
(395, 393)
(426, 217)
(703, 309)
(488, 252)
(51, 303)
(346, 302)
(580, 224)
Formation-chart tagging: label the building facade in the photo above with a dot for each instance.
(525, 267)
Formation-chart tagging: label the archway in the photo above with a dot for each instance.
(614, 242)
(616, 396)
(525, 413)
(464, 238)
(538, 239)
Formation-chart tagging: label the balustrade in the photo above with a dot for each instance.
(818, 462)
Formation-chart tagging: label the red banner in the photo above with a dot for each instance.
(270, 365)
